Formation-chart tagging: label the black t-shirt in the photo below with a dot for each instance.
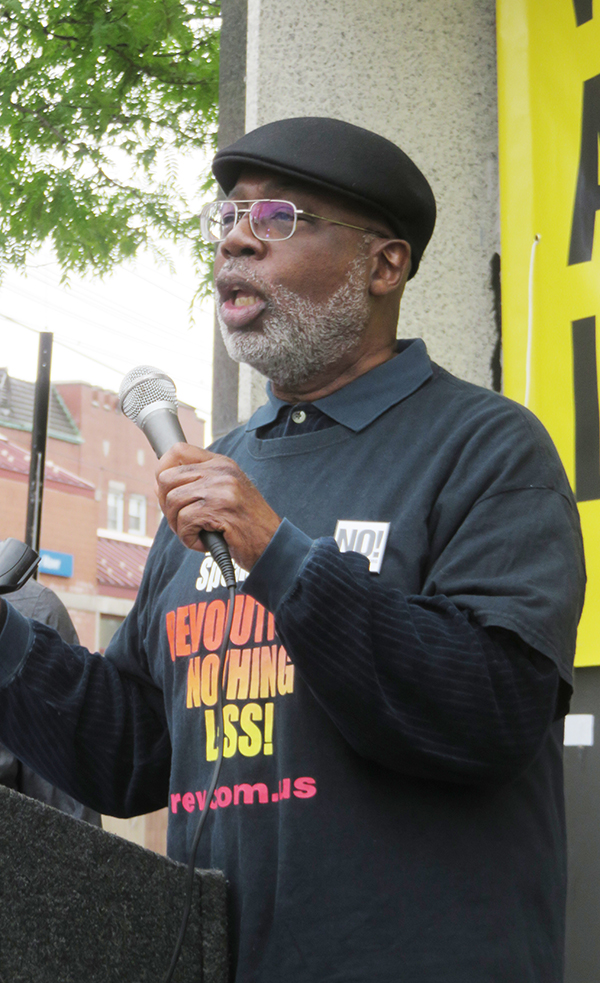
(390, 805)
(360, 847)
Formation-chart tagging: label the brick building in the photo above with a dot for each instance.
(116, 457)
(98, 519)
(99, 509)
(70, 512)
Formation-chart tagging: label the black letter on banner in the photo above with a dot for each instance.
(587, 420)
(583, 11)
(587, 198)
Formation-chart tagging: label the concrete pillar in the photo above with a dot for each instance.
(424, 75)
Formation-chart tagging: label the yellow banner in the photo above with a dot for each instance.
(549, 130)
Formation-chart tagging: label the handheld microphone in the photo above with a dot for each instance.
(148, 398)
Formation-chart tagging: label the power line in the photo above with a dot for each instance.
(77, 291)
(90, 358)
(141, 322)
(170, 348)
(57, 341)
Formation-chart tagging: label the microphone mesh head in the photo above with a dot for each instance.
(143, 386)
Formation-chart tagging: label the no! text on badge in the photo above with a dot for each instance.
(368, 538)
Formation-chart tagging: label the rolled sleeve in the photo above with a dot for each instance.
(273, 575)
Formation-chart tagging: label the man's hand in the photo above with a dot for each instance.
(199, 490)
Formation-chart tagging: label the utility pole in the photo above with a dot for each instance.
(39, 432)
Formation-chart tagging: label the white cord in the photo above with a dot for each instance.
(534, 244)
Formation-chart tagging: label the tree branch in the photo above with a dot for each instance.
(145, 70)
(43, 121)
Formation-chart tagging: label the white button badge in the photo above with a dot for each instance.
(368, 538)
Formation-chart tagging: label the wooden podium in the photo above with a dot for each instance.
(79, 905)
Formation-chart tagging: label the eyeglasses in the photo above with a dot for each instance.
(270, 219)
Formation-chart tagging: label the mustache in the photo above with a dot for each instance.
(234, 270)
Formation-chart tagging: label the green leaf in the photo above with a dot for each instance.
(97, 99)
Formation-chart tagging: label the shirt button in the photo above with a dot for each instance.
(298, 416)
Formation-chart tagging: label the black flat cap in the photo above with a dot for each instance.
(344, 158)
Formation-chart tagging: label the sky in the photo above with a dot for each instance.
(102, 328)
(139, 315)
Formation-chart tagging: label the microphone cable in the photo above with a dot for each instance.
(191, 868)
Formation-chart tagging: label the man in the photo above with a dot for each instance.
(41, 604)
(390, 805)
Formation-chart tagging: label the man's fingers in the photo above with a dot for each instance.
(199, 490)
(199, 496)
(180, 454)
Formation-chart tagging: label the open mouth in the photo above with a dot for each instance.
(240, 303)
(243, 298)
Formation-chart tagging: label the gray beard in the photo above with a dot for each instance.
(300, 338)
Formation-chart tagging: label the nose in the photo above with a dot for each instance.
(241, 241)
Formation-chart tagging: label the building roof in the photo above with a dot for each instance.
(120, 564)
(15, 460)
(16, 409)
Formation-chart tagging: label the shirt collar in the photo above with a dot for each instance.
(364, 399)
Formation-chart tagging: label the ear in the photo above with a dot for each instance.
(391, 266)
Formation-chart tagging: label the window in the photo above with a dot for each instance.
(115, 499)
(108, 626)
(137, 515)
